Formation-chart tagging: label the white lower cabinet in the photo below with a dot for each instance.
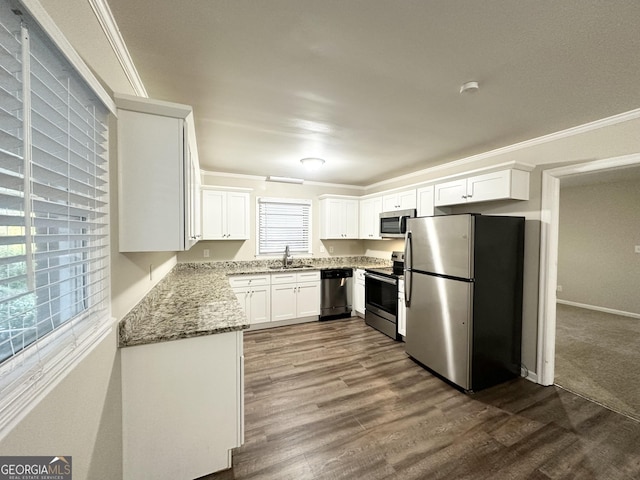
(358, 292)
(402, 310)
(182, 406)
(254, 294)
(295, 295)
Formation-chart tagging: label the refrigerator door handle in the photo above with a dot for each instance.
(408, 272)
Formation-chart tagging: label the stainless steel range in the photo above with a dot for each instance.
(381, 296)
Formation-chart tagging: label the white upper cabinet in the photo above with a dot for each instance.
(426, 207)
(158, 176)
(402, 200)
(225, 214)
(370, 209)
(338, 217)
(503, 184)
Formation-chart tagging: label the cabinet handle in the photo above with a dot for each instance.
(464, 196)
(469, 196)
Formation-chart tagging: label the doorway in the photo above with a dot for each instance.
(549, 253)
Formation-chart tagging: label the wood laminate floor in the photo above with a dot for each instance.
(339, 400)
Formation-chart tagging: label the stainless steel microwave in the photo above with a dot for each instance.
(394, 224)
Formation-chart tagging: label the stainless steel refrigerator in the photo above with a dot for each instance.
(463, 292)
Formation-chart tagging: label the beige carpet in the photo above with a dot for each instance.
(598, 357)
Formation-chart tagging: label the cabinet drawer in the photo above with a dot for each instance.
(249, 280)
(308, 276)
(279, 278)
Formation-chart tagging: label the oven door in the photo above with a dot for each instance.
(381, 303)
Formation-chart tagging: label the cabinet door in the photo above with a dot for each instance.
(260, 304)
(407, 199)
(390, 202)
(399, 200)
(213, 215)
(451, 193)
(308, 299)
(425, 201)
(490, 186)
(242, 294)
(283, 301)
(339, 218)
(369, 218)
(350, 222)
(237, 216)
(333, 218)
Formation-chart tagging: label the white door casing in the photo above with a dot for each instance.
(549, 219)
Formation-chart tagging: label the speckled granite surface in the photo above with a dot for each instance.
(195, 299)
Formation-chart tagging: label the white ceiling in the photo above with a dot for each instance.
(372, 86)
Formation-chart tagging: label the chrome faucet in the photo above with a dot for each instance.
(287, 259)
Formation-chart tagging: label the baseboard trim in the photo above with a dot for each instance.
(529, 375)
(599, 309)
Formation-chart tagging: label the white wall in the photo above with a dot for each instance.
(599, 227)
(246, 250)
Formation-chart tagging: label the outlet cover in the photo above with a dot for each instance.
(205, 253)
(637, 249)
(331, 249)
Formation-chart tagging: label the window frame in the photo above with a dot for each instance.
(296, 201)
(27, 377)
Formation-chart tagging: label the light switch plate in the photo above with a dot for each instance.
(637, 249)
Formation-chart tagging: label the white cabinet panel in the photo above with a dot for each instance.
(426, 207)
(451, 193)
(295, 295)
(199, 382)
(283, 301)
(339, 218)
(158, 173)
(308, 299)
(225, 215)
(254, 294)
(370, 218)
(358, 291)
(402, 310)
(402, 200)
(499, 185)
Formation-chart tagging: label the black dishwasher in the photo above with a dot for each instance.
(335, 295)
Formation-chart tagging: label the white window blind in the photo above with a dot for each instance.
(54, 251)
(283, 222)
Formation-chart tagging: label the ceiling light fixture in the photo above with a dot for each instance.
(469, 87)
(272, 178)
(312, 162)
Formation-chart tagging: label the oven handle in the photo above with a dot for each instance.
(391, 281)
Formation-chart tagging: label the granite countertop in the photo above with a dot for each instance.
(196, 299)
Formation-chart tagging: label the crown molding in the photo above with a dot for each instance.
(569, 132)
(111, 30)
